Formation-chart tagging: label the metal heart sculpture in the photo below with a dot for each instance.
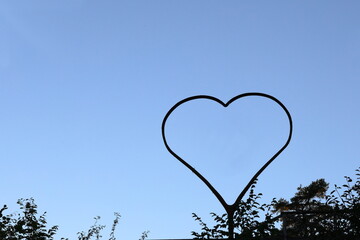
(230, 209)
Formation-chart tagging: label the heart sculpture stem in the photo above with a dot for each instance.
(230, 209)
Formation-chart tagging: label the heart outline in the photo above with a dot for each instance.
(230, 209)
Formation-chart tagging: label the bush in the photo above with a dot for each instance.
(27, 225)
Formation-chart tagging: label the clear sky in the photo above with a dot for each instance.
(85, 84)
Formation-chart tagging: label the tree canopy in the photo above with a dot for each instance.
(28, 225)
(310, 214)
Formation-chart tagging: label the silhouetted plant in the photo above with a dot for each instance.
(94, 232)
(144, 235)
(115, 223)
(310, 214)
(28, 226)
(313, 214)
(247, 224)
(345, 200)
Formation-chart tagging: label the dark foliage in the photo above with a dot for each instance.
(27, 225)
(311, 214)
(247, 222)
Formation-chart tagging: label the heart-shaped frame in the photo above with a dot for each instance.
(230, 209)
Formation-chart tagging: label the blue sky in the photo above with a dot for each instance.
(84, 86)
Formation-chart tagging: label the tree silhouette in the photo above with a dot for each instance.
(247, 224)
(310, 214)
(27, 225)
